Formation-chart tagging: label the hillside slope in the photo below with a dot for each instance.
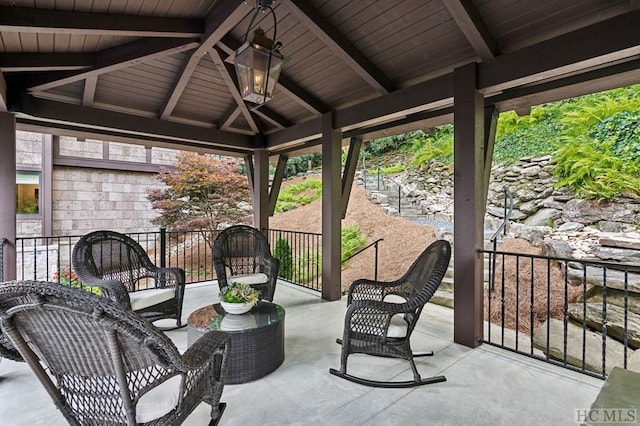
(403, 239)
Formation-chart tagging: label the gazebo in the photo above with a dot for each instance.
(162, 74)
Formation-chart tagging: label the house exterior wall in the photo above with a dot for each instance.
(88, 198)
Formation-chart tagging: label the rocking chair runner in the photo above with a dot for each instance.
(381, 316)
(103, 364)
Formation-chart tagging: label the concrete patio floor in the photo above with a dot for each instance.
(485, 386)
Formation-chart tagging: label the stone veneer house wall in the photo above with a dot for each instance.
(89, 185)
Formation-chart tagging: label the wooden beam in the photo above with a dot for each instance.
(605, 41)
(261, 187)
(491, 115)
(278, 176)
(338, 44)
(331, 203)
(272, 117)
(349, 172)
(468, 183)
(3, 94)
(220, 20)
(473, 28)
(18, 62)
(38, 21)
(94, 118)
(229, 117)
(228, 76)
(249, 169)
(114, 58)
(89, 90)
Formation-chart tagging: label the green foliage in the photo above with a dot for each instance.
(282, 252)
(302, 164)
(238, 293)
(66, 276)
(591, 170)
(305, 270)
(201, 193)
(623, 131)
(391, 143)
(437, 145)
(299, 194)
(387, 170)
(351, 241)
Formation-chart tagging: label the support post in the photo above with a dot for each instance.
(281, 167)
(8, 194)
(469, 178)
(349, 172)
(261, 190)
(331, 209)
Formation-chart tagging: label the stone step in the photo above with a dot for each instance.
(620, 242)
(592, 343)
(592, 315)
(442, 298)
(615, 279)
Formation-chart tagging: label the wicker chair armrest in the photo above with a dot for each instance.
(389, 308)
(376, 315)
(203, 349)
(170, 277)
(365, 289)
(111, 289)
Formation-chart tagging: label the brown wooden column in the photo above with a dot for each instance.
(331, 209)
(469, 206)
(261, 189)
(8, 193)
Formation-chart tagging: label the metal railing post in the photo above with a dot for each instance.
(163, 247)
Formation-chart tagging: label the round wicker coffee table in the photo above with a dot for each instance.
(257, 338)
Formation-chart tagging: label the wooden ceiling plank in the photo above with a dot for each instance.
(18, 62)
(218, 22)
(229, 118)
(101, 119)
(115, 58)
(343, 48)
(228, 76)
(32, 20)
(466, 16)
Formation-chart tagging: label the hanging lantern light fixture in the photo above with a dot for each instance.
(258, 62)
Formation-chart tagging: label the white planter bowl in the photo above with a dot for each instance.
(236, 308)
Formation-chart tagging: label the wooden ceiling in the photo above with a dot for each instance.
(159, 72)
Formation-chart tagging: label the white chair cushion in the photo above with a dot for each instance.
(145, 298)
(397, 326)
(250, 279)
(159, 400)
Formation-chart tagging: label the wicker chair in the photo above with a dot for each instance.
(123, 271)
(6, 348)
(103, 364)
(381, 316)
(242, 254)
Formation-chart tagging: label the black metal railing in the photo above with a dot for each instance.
(300, 255)
(565, 311)
(49, 258)
(375, 261)
(508, 210)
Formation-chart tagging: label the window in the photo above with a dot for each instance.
(28, 192)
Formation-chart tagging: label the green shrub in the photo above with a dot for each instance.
(398, 168)
(435, 146)
(305, 270)
(351, 241)
(282, 252)
(299, 194)
(592, 171)
(623, 131)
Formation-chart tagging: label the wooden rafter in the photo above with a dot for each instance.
(218, 23)
(17, 62)
(471, 24)
(341, 47)
(229, 117)
(31, 20)
(113, 59)
(3, 94)
(89, 90)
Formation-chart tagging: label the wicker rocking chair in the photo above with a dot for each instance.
(103, 364)
(123, 271)
(381, 316)
(241, 253)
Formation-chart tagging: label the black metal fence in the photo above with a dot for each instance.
(583, 315)
(49, 258)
